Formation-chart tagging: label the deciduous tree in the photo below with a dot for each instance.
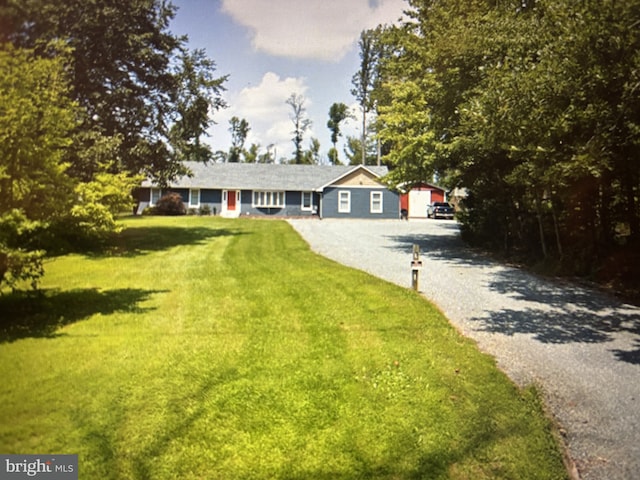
(37, 120)
(312, 156)
(135, 79)
(364, 79)
(300, 122)
(533, 107)
(338, 113)
(239, 129)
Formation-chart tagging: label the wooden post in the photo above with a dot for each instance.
(416, 266)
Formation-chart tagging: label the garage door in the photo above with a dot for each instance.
(418, 201)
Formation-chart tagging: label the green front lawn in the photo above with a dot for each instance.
(204, 348)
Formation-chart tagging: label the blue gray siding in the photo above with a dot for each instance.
(292, 206)
(213, 198)
(360, 203)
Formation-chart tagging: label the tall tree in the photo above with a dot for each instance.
(365, 78)
(239, 129)
(301, 124)
(136, 80)
(40, 199)
(338, 113)
(37, 121)
(353, 152)
(406, 124)
(312, 156)
(197, 97)
(251, 155)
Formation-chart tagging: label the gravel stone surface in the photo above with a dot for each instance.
(581, 346)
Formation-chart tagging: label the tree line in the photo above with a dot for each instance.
(339, 112)
(533, 107)
(365, 150)
(239, 129)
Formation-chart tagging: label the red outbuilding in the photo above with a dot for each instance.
(415, 200)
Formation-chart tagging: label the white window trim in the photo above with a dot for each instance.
(194, 192)
(151, 192)
(346, 209)
(268, 199)
(310, 207)
(379, 209)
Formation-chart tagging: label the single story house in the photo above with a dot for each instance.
(416, 199)
(234, 189)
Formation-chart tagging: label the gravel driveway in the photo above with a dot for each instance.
(582, 347)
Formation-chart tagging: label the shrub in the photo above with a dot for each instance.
(171, 204)
(205, 210)
(18, 264)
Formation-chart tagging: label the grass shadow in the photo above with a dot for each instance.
(141, 240)
(40, 314)
(136, 239)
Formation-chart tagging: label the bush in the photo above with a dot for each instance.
(205, 209)
(18, 264)
(171, 204)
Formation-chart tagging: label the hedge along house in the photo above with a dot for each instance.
(235, 189)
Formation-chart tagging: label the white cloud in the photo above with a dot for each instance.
(265, 109)
(269, 97)
(310, 29)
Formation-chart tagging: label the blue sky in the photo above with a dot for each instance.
(273, 48)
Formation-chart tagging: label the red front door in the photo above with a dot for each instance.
(231, 200)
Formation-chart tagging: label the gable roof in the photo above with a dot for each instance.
(406, 187)
(261, 176)
(355, 170)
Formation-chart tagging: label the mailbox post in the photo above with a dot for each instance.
(416, 266)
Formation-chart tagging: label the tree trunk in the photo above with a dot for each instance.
(543, 243)
(556, 229)
(630, 185)
(364, 136)
(606, 225)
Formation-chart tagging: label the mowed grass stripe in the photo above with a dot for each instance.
(213, 348)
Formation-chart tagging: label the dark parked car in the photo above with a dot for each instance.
(440, 210)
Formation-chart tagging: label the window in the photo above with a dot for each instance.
(376, 202)
(155, 196)
(344, 202)
(307, 200)
(268, 199)
(194, 197)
